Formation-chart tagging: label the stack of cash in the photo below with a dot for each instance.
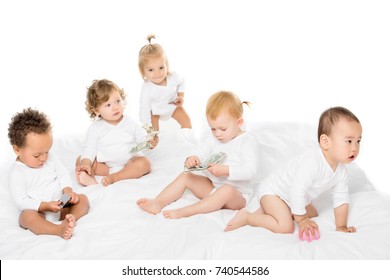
(151, 132)
(214, 158)
(145, 145)
(141, 146)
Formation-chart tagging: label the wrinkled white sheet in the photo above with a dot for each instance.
(116, 228)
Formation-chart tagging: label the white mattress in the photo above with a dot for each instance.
(117, 229)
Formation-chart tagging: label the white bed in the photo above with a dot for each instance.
(117, 229)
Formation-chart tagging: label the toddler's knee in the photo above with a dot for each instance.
(27, 217)
(144, 165)
(288, 228)
(147, 166)
(185, 177)
(228, 190)
(84, 199)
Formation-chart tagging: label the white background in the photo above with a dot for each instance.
(290, 59)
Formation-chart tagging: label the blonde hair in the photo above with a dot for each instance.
(98, 93)
(330, 117)
(150, 51)
(224, 101)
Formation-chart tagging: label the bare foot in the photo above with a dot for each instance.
(239, 220)
(108, 180)
(174, 214)
(149, 205)
(67, 226)
(86, 180)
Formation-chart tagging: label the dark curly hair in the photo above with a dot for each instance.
(23, 123)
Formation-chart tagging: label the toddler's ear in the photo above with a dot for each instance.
(16, 149)
(240, 122)
(324, 141)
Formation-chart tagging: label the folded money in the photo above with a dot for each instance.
(141, 146)
(151, 132)
(145, 145)
(214, 158)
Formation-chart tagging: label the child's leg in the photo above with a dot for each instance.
(77, 210)
(134, 169)
(200, 186)
(274, 215)
(181, 116)
(36, 222)
(225, 197)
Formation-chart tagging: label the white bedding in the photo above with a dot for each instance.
(116, 228)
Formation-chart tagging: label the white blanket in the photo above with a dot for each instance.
(116, 228)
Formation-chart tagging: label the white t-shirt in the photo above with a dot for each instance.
(111, 144)
(241, 157)
(29, 187)
(304, 178)
(155, 98)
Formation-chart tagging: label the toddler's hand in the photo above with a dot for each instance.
(192, 161)
(218, 170)
(53, 206)
(179, 101)
(74, 197)
(85, 168)
(153, 142)
(346, 229)
(307, 227)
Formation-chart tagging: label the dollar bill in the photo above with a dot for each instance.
(145, 145)
(141, 146)
(150, 131)
(214, 158)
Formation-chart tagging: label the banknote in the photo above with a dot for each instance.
(145, 145)
(214, 158)
(141, 146)
(150, 131)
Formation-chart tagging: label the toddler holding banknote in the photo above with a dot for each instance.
(110, 139)
(224, 185)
